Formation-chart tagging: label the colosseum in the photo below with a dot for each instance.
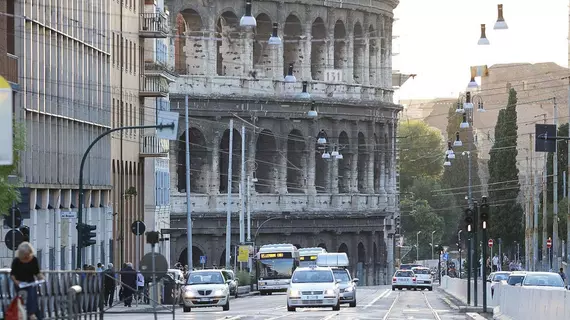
(313, 111)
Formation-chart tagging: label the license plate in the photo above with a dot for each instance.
(205, 299)
(310, 297)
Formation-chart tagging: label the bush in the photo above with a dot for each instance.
(244, 278)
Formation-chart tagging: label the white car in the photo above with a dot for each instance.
(206, 288)
(424, 279)
(313, 287)
(404, 279)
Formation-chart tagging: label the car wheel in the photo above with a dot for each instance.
(236, 295)
(186, 309)
(337, 307)
(291, 309)
(353, 304)
(226, 307)
(430, 288)
(393, 288)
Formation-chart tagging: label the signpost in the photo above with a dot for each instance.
(138, 228)
(490, 242)
(549, 246)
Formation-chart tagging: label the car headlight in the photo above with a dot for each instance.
(348, 289)
(329, 292)
(294, 293)
(189, 293)
(220, 292)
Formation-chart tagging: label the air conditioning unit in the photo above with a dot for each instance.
(333, 75)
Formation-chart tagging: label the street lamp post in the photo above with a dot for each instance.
(459, 247)
(432, 243)
(418, 246)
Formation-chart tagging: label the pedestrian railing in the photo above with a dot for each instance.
(82, 295)
(64, 295)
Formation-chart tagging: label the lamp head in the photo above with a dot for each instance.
(483, 41)
(500, 24)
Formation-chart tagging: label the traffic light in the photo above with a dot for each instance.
(86, 234)
(397, 225)
(484, 212)
(469, 215)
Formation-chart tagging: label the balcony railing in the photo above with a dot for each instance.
(152, 146)
(153, 25)
(157, 68)
(10, 70)
(153, 86)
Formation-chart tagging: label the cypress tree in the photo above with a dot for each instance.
(506, 218)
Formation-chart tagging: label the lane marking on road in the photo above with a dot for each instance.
(230, 318)
(279, 317)
(382, 295)
(451, 304)
(391, 306)
(433, 312)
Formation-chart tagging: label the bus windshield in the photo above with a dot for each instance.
(276, 268)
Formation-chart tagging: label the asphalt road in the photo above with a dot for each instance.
(373, 303)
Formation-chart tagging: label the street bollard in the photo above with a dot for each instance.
(71, 301)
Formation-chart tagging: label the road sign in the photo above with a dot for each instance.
(18, 237)
(445, 256)
(6, 126)
(202, 259)
(541, 141)
(164, 118)
(549, 243)
(160, 263)
(14, 216)
(490, 242)
(243, 255)
(138, 228)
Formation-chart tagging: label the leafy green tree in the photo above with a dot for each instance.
(506, 218)
(429, 189)
(8, 191)
(421, 151)
(418, 215)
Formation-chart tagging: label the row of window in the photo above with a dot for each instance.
(131, 116)
(129, 53)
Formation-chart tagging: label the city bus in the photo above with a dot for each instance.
(275, 266)
(308, 256)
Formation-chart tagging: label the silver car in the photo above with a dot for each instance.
(347, 286)
(206, 288)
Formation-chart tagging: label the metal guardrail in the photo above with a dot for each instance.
(64, 295)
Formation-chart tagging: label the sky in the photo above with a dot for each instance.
(437, 40)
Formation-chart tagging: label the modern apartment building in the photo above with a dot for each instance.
(64, 100)
(139, 79)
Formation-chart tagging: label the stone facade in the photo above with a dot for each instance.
(228, 72)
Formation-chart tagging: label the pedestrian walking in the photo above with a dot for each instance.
(109, 284)
(129, 284)
(25, 269)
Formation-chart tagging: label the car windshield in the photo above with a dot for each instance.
(214, 277)
(500, 277)
(312, 276)
(409, 266)
(276, 268)
(341, 275)
(543, 280)
(513, 280)
(421, 271)
(404, 274)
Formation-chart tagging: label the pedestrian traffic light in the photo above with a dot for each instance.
(484, 213)
(86, 234)
(469, 219)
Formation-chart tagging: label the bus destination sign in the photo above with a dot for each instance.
(308, 258)
(276, 255)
